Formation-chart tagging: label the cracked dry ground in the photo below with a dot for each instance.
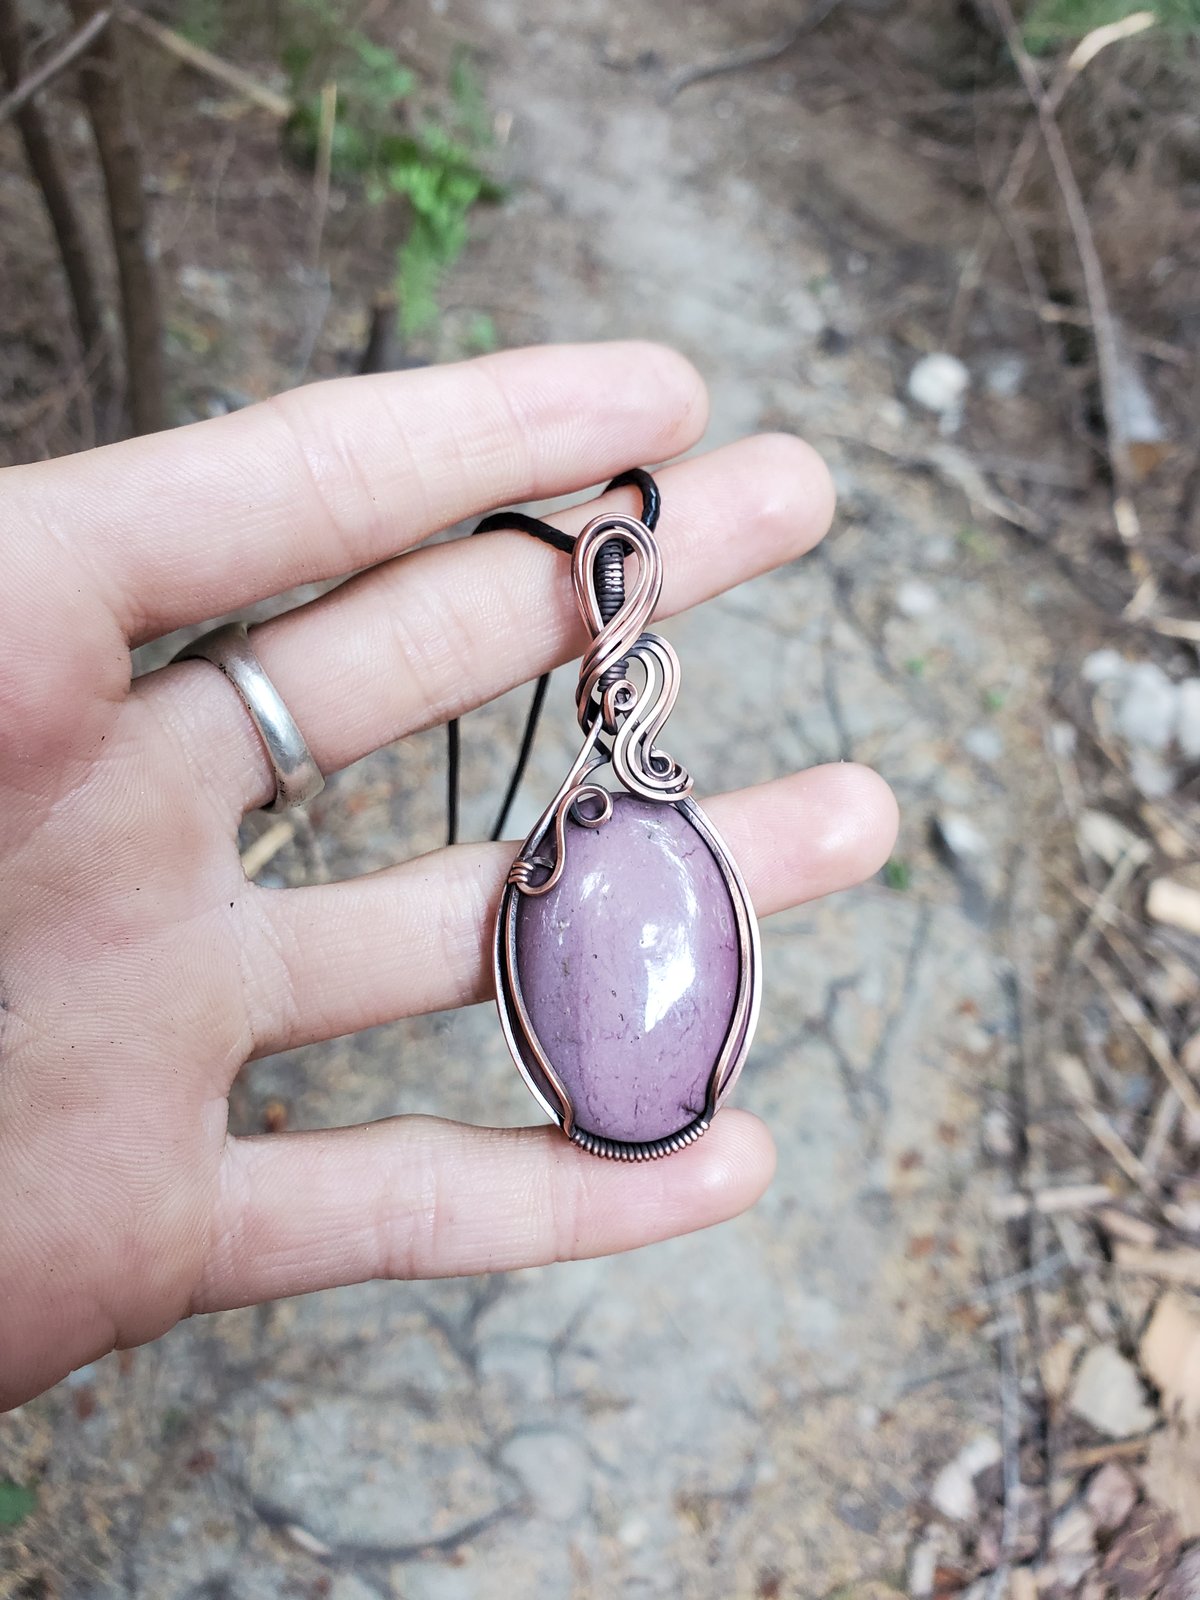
(754, 1411)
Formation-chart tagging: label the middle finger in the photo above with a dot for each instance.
(440, 630)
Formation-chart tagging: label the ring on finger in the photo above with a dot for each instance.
(297, 777)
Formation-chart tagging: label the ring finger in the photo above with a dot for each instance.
(442, 629)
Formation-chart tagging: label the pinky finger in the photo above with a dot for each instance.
(415, 1197)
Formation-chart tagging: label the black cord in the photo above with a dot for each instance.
(636, 478)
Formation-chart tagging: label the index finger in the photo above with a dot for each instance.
(321, 481)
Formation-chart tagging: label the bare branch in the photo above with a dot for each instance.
(23, 90)
(56, 193)
(105, 94)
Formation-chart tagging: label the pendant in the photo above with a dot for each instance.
(626, 951)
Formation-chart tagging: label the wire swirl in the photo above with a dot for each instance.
(633, 717)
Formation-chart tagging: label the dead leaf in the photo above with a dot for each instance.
(1171, 1476)
(1170, 1354)
(1184, 1581)
(1143, 1555)
(1111, 1496)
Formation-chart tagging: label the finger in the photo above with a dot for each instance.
(321, 481)
(418, 1198)
(448, 627)
(330, 956)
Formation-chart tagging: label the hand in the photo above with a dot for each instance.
(139, 969)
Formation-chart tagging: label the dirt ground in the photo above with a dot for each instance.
(760, 1411)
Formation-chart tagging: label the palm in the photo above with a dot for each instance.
(138, 968)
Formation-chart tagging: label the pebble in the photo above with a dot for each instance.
(916, 599)
(960, 836)
(1004, 374)
(939, 382)
(1187, 718)
(1102, 666)
(1108, 1394)
(985, 744)
(1072, 1545)
(1147, 707)
(1153, 777)
(953, 1492)
(1111, 1496)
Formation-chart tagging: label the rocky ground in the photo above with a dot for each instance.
(830, 1396)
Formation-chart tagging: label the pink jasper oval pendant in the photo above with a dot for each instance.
(626, 949)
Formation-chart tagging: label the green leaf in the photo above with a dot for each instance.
(897, 874)
(17, 1501)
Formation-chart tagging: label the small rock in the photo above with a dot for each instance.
(985, 744)
(1183, 1582)
(1111, 1496)
(1108, 1394)
(998, 1134)
(1107, 837)
(939, 382)
(1142, 1556)
(922, 1564)
(1175, 903)
(1152, 777)
(1004, 374)
(953, 1492)
(1147, 707)
(1103, 666)
(1063, 739)
(1187, 718)
(916, 599)
(960, 836)
(1072, 1544)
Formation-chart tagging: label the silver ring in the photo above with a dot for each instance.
(297, 776)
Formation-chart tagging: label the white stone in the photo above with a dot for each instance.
(953, 1492)
(1004, 374)
(1107, 836)
(1147, 707)
(1103, 666)
(1108, 1394)
(1063, 738)
(916, 599)
(939, 382)
(1152, 776)
(1187, 718)
(960, 836)
(985, 744)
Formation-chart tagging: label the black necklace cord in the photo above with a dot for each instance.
(611, 595)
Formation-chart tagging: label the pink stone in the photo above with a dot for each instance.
(629, 970)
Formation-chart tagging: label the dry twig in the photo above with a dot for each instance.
(106, 96)
(23, 89)
(222, 72)
(1104, 334)
(48, 172)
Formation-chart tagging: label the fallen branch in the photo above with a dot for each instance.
(1169, 1266)
(50, 178)
(1104, 335)
(105, 94)
(22, 90)
(223, 72)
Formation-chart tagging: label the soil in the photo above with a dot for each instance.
(760, 1411)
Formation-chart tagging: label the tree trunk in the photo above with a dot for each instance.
(106, 97)
(60, 207)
